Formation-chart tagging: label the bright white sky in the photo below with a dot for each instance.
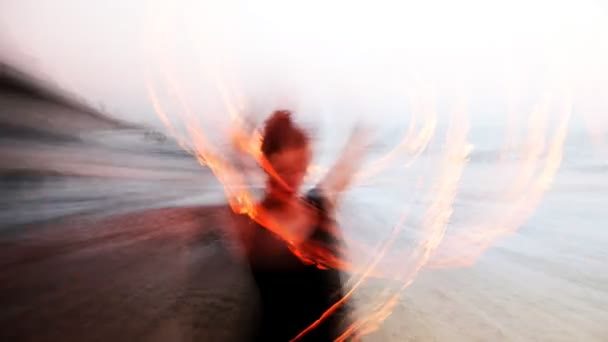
(337, 56)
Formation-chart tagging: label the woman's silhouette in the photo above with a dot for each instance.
(295, 293)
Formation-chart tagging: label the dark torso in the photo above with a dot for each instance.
(293, 295)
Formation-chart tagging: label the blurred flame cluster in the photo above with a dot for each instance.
(437, 246)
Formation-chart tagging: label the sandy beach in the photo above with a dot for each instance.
(121, 279)
(164, 275)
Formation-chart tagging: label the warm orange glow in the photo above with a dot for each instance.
(362, 277)
(435, 246)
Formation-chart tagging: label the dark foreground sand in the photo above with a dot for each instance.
(159, 275)
(165, 275)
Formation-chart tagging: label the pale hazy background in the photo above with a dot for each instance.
(343, 58)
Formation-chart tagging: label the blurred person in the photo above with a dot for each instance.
(297, 274)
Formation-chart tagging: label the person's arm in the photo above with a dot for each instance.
(339, 177)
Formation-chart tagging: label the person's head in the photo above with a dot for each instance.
(287, 149)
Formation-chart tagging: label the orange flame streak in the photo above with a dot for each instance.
(414, 145)
(381, 163)
(526, 205)
(525, 194)
(164, 119)
(364, 326)
(379, 256)
(240, 200)
(247, 143)
(232, 100)
(370, 268)
(152, 21)
(251, 146)
(203, 151)
(436, 217)
(430, 246)
(225, 94)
